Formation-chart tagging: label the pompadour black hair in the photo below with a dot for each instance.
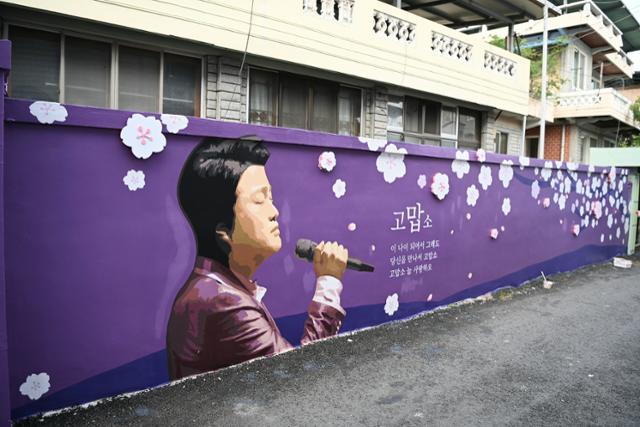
(207, 189)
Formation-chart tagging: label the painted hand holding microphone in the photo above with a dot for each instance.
(329, 258)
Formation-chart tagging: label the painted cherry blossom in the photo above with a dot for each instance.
(460, 166)
(352, 226)
(493, 233)
(591, 169)
(558, 163)
(134, 180)
(174, 122)
(611, 176)
(575, 229)
(567, 185)
(143, 135)
(391, 163)
(555, 197)
(481, 155)
(524, 161)
(545, 173)
(535, 189)
(506, 173)
(35, 386)
(572, 166)
(472, 195)
(391, 305)
(468, 216)
(422, 181)
(373, 144)
(601, 238)
(560, 175)
(562, 201)
(610, 221)
(579, 188)
(48, 112)
(536, 171)
(429, 297)
(440, 185)
(339, 188)
(596, 208)
(470, 276)
(546, 202)
(620, 186)
(484, 177)
(327, 161)
(618, 233)
(502, 228)
(506, 206)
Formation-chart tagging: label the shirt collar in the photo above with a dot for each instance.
(208, 265)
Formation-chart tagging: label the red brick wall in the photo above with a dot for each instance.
(553, 141)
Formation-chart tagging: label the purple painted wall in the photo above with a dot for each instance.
(5, 66)
(93, 267)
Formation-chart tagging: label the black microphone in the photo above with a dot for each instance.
(305, 248)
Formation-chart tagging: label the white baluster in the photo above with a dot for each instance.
(380, 26)
(326, 9)
(309, 6)
(345, 11)
(392, 29)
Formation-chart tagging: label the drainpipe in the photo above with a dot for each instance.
(399, 3)
(543, 88)
(562, 145)
(524, 135)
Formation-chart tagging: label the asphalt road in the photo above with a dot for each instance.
(565, 356)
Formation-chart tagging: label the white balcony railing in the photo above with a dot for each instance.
(606, 102)
(368, 40)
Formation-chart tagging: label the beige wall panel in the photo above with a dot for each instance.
(282, 30)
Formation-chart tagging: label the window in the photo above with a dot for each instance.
(414, 120)
(502, 142)
(87, 72)
(181, 83)
(148, 80)
(577, 76)
(469, 129)
(531, 147)
(138, 77)
(36, 64)
(296, 102)
(428, 122)
(263, 105)
(349, 109)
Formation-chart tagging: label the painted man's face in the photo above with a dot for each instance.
(255, 229)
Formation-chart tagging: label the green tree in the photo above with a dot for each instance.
(534, 55)
(632, 140)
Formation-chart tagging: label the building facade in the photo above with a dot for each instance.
(362, 68)
(587, 105)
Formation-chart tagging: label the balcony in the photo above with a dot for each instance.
(617, 64)
(366, 39)
(583, 19)
(600, 106)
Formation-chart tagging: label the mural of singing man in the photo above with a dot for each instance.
(218, 318)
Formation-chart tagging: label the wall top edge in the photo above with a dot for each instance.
(18, 111)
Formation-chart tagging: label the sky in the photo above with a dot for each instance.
(634, 7)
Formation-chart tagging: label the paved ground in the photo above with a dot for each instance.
(565, 356)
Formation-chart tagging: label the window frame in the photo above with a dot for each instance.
(310, 83)
(499, 137)
(578, 74)
(449, 136)
(114, 78)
